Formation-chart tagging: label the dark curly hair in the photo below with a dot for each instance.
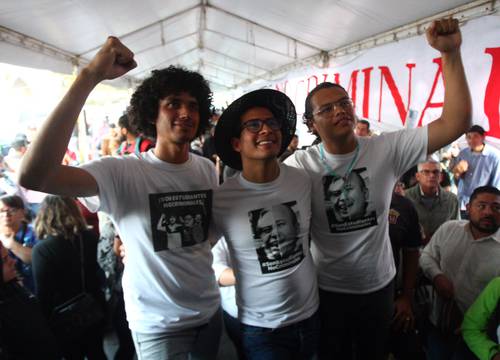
(307, 118)
(143, 109)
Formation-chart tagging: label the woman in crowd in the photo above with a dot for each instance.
(57, 269)
(24, 333)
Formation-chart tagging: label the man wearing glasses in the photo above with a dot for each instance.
(264, 214)
(434, 204)
(354, 259)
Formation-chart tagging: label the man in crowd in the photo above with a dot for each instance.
(406, 240)
(171, 296)
(434, 205)
(362, 128)
(353, 257)
(132, 141)
(16, 153)
(476, 165)
(460, 260)
(263, 213)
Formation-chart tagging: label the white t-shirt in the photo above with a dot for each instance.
(266, 227)
(222, 261)
(159, 209)
(350, 239)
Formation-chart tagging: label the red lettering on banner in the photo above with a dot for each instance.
(352, 86)
(366, 92)
(281, 88)
(492, 94)
(336, 78)
(309, 83)
(386, 74)
(429, 103)
(325, 76)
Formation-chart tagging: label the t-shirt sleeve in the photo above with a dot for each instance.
(292, 160)
(407, 147)
(105, 174)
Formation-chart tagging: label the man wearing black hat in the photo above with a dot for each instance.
(263, 213)
(171, 297)
(476, 165)
(353, 254)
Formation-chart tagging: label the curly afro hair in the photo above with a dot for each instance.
(143, 109)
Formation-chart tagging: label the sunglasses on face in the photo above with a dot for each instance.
(256, 125)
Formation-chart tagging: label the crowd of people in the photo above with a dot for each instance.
(338, 250)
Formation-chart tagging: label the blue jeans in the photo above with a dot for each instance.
(296, 341)
(199, 343)
(234, 332)
(356, 326)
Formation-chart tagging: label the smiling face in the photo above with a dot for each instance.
(178, 118)
(349, 199)
(277, 231)
(333, 113)
(264, 144)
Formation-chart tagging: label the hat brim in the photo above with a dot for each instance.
(228, 125)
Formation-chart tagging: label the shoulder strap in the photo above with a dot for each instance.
(138, 142)
(82, 262)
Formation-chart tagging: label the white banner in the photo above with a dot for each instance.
(401, 84)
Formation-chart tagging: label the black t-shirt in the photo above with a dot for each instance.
(404, 228)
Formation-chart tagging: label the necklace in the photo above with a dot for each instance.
(329, 169)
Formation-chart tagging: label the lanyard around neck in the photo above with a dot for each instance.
(329, 168)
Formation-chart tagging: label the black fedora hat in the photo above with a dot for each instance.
(228, 125)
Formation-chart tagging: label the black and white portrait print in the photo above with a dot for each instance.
(276, 234)
(347, 202)
(180, 219)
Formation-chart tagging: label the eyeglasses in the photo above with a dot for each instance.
(256, 125)
(429, 172)
(328, 109)
(10, 211)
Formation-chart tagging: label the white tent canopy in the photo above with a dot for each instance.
(231, 42)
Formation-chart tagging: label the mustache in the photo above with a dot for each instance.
(489, 218)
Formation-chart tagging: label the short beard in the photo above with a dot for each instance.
(485, 230)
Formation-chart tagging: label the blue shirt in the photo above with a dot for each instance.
(483, 170)
(26, 237)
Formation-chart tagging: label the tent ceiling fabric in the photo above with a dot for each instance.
(228, 41)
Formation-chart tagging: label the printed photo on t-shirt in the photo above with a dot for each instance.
(276, 235)
(346, 202)
(180, 219)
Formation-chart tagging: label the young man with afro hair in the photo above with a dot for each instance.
(171, 297)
